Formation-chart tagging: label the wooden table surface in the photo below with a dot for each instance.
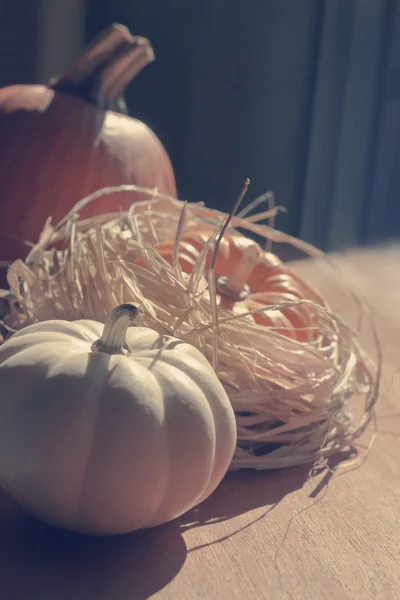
(261, 535)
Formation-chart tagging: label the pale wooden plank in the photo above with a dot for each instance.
(254, 537)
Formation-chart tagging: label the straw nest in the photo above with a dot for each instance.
(292, 400)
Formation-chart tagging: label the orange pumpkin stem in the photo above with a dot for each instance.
(104, 69)
(234, 288)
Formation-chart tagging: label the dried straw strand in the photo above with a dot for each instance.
(292, 400)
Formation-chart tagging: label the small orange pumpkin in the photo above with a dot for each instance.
(267, 280)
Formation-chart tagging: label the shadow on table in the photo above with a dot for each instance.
(243, 491)
(37, 561)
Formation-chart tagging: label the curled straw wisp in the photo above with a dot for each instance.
(292, 400)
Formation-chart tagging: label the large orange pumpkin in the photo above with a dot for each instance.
(62, 141)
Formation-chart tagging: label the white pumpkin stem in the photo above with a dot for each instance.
(113, 339)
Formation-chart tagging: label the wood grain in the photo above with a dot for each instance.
(261, 535)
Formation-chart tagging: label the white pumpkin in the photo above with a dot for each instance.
(103, 437)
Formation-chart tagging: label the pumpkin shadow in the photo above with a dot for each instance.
(37, 561)
(243, 491)
(247, 490)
